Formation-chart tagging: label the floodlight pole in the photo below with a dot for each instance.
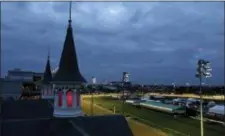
(92, 95)
(199, 75)
(201, 112)
(123, 99)
(224, 105)
(203, 70)
(92, 100)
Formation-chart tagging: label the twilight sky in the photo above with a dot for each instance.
(156, 42)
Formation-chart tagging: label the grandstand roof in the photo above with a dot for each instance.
(218, 109)
(161, 105)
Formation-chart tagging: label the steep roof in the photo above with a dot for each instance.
(48, 74)
(104, 125)
(21, 118)
(26, 109)
(68, 66)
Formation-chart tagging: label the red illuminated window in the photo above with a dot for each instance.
(60, 95)
(69, 98)
(78, 98)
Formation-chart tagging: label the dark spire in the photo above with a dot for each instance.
(47, 75)
(68, 66)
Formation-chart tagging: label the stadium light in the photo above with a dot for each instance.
(174, 87)
(203, 70)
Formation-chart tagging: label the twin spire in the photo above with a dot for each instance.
(48, 74)
(68, 70)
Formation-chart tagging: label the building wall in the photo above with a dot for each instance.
(20, 78)
(20, 75)
(10, 88)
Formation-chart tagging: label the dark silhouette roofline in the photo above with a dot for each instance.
(47, 74)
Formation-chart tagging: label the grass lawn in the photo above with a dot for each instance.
(174, 126)
(138, 129)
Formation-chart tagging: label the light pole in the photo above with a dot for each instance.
(92, 94)
(142, 91)
(125, 79)
(203, 70)
(188, 87)
(224, 103)
(174, 87)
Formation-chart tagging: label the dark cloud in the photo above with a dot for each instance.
(157, 42)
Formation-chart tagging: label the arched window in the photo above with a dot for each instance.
(60, 95)
(78, 98)
(69, 98)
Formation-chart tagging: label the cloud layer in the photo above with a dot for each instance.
(157, 42)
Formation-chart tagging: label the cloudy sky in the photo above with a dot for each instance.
(156, 42)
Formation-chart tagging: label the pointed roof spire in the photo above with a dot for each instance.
(68, 66)
(48, 74)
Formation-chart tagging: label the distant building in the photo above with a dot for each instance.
(94, 80)
(24, 76)
(38, 75)
(18, 74)
(119, 83)
(10, 88)
(16, 79)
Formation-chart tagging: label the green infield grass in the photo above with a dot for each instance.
(179, 126)
(138, 129)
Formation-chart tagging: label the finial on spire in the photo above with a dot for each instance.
(70, 20)
(48, 52)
